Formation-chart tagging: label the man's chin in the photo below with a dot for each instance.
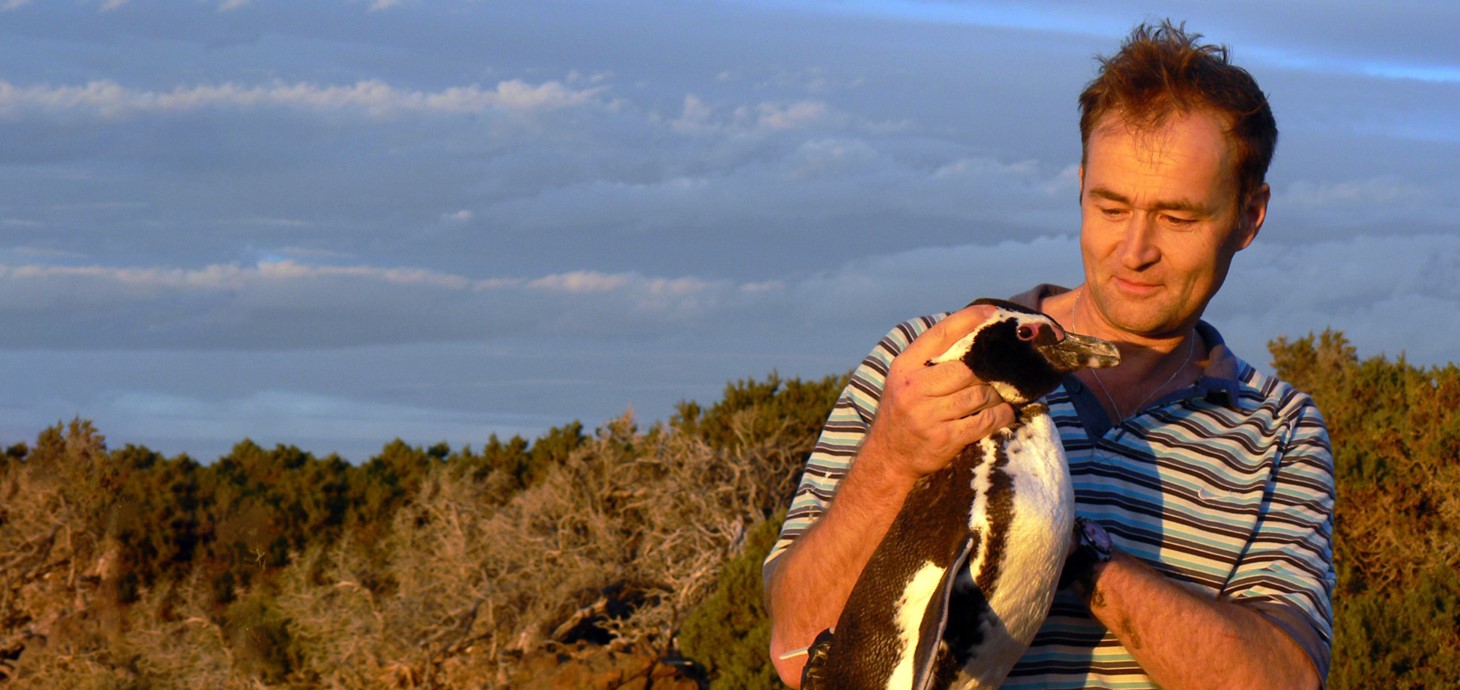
(1147, 320)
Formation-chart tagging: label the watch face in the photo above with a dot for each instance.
(1095, 535)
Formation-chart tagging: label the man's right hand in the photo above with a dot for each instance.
(928, 413)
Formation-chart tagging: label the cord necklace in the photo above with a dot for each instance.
(1190, 350)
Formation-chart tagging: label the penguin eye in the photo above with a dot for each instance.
(1027, 332)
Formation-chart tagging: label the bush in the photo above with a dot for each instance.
(1395, 430)
(730, 633)
(593, 555)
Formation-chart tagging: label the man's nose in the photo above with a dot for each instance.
(1137, 248)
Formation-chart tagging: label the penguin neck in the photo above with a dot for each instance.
(1027, 411)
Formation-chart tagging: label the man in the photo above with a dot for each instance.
(1213, 480)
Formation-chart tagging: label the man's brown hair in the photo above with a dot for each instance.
(1162, 71)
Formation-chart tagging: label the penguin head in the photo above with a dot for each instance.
(1024, 354)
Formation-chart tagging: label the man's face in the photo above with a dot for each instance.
(1160, 221)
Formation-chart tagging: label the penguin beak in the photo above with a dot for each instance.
(1077, 352)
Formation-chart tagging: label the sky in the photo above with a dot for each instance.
(335, 223)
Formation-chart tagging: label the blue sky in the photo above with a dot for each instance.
(338, 222)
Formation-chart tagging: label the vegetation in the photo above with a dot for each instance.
(424, 567)
(1396, 439)
(613, 558)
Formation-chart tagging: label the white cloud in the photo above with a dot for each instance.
(227, 276)
(880, 291)
(315, 253)
(284, 284)
(519, 95)
(1380, 291)
(696, 114)
(108, 99)
(580, 282)
(295, 271)
(1347, 195)
(776, 116)
(833, 157)
(292, 304)
(754, 119)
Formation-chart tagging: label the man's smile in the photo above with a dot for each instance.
(1135, 287)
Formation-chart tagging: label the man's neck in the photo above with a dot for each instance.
(1150, 366)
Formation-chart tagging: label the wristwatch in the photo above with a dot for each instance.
(1092, 549)
(1095, 538)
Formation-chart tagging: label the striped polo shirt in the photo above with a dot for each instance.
(1225, 486)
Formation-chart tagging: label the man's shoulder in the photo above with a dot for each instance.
(901, 335)
(1261, 388)
(1249, 388)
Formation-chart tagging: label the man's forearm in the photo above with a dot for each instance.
(811, 584)
(1184, 640)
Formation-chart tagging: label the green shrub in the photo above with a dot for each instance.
(427, 566)
(1406, 637)
(1396, 440)
(259, 637)
(730, 632)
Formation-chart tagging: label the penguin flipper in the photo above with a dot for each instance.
(930, 656)
(813, 675)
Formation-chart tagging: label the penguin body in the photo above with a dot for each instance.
(964, 577)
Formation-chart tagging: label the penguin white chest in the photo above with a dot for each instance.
(1042, 518)
(1020, 578)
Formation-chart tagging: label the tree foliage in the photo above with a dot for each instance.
(1396, 438)
(606, 558)
(422, 567)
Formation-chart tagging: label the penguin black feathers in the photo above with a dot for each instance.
(965, 575)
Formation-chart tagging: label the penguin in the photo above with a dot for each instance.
(956, 589)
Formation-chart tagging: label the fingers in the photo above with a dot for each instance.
(945, 379)
(971, 398)
(911, 366)
(984, 422)
(929, 413)
(936, 340)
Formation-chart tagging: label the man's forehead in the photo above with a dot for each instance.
(1177, 154)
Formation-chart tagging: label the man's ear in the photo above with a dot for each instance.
(1254, 213)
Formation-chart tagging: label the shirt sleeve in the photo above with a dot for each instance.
(842, 437)
(1287, 573)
